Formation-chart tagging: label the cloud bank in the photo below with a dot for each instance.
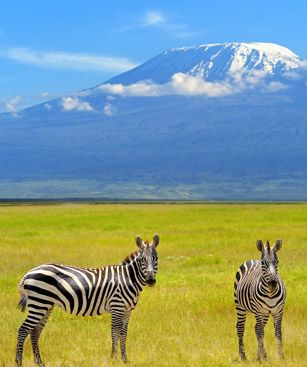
(180, 83)
(68, 61)
(188, 85)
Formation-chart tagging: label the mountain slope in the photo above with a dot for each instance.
(246, 145)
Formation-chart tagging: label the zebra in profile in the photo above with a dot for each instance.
(112, 289)
(259, 289)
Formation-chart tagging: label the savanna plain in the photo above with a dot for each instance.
(188, 318)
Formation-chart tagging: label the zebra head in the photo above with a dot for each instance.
(269, 262)
(148, 258)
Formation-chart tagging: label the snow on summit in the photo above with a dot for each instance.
(214, 62)
(238, 57)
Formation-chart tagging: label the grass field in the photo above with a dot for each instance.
(189, 318)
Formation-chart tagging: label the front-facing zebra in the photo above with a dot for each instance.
(259, 289)
(112, 289)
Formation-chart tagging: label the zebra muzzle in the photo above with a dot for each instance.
(273, 284)
(150, 281)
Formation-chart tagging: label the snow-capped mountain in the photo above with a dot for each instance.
(214, 62)
(231, 125)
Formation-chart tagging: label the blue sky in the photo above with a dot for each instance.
(50, 48)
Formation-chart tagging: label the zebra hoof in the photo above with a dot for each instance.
(125, 359)
(39, 363)
(262, 357)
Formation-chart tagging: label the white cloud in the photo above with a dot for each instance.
(180, 83)
(18, 103)
(156, 19)
(45, 95)
(274, 86)
(13, 105)
(153, 18)
(293, 75)
(109, 109)
(144, 88)
(185, 84)
(75, 104)
(257, 78)
(189, 85)
(68, 61)
(249, 79)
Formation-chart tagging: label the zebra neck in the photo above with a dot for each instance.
(136, 274)
(264, 286)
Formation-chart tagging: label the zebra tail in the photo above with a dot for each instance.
(24, 299)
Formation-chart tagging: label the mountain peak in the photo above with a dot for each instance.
(270, 48)
(214, 62)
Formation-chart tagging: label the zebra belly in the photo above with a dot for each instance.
(99, 301)
(109, 297)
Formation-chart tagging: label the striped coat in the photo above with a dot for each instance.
(112, 289)
(259, 289)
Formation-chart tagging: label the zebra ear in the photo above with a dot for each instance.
(260, 245)
(155, 240)
(139, 241)
(277, 245)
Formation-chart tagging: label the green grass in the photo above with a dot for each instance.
(188, 319)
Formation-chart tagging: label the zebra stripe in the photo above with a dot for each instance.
(259, 289)
(112, 289)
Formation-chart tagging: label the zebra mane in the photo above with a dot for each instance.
(130, 258)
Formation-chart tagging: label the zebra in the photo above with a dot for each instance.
(258, 288)
(113, 289)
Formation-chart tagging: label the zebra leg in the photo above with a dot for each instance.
(241, 313)
(22, 334)
(31, 322)
(123, 336)
(278, 333)
(265, 319)
(259, 329)
(116, 325)
(35, 334)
